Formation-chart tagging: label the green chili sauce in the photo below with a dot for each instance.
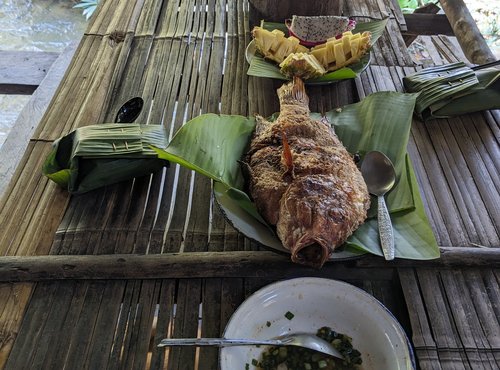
(296, 358)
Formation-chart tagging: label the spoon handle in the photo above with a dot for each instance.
(385, 230)
(218, 342)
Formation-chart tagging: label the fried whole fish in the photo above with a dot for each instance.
(304, 181)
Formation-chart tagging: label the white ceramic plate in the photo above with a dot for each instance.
(317, 302)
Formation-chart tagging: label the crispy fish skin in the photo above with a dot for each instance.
(304, 181)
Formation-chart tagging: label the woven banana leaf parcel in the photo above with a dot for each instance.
(98, 155)
(454, 89)
(213, 146)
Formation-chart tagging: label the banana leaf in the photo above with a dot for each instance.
(380, 122)
(259, 67)
(219, 142)
(454, 89)
(99, 155)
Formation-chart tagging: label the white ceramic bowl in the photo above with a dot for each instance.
(317, 302)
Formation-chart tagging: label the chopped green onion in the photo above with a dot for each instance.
(322, 364)
(283, 352)
(289, 315)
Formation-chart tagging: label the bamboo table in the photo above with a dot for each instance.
(95, 281)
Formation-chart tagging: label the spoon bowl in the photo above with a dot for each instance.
(380, 176)
(129, 111)
(303, 340)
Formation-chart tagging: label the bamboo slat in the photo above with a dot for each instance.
(14, 300)
(210, 324)
(123, 325)
(467, 336)
(185, 323)
(34, 321)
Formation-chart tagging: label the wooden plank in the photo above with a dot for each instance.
(54, 323)
(451, 353)
(468, 325)
(210, 325)
(427, 24)
(163, 320)
(422, 337)
(21, 72)
(122, 333)
(430, 154)
(216, 264)
(185, 323)
(31, 328)
(28, 227)
(83, 76)
(17, 141)
(78, 348)
(279, 10)
(54, 358)
(467, 32)
(107, 318)
(12, 308)
(115, 16)
(141, 325)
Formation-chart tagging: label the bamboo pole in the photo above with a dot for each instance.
(215, 264)
(470, 39)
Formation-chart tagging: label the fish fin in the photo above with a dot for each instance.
(287, 156)
(261, 124)
(246, 171)
(299, 90)
(324, 120)
(293, 93)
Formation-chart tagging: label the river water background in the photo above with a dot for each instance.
(34, 25)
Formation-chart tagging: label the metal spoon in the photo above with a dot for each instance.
(129, 111)
(380, 176)
(310, 341)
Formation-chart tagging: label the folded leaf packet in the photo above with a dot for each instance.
(454, 89)
(99, 155)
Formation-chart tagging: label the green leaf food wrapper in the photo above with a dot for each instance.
(454, 89)
(94, 156)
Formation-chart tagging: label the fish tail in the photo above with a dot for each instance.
(293, 93)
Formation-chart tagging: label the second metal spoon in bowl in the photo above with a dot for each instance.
(380, 177)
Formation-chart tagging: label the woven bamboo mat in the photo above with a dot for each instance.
(187, 58)
(117, 324)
